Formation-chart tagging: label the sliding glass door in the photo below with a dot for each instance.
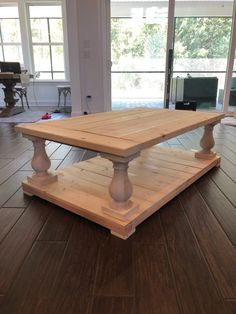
(168, 51)
(138, 49)
(201, 47)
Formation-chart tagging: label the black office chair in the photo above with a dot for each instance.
(20, 89)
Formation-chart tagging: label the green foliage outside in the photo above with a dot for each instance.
(195, 38)
(139, 41)
(202, 37)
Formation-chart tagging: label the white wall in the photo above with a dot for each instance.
(87, 55)
(42, 94)
(86, 23)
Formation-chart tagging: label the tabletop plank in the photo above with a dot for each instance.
(122, 132)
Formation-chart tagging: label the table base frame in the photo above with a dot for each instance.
(158, 175)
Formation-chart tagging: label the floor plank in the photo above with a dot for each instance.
(153, 280)
(19, 241)
(72, 157)
(231, 306)
(215, 245)
(58, 227)
(15, 148)
(223, 210)
(18, 199)
(115, 269)
(10, 186)
(15, 165)
(73, 287)
(113, 305)
(34, 282)
(196, 288)
(225, 184)
(228, 168)
(150, 231)
(4, 162)
(61, 152)
(8, 217)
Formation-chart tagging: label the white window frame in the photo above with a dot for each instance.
(2, 44)
(25, 31)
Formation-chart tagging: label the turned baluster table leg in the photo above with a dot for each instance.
(40, 163)
(207, 143)
(120, 190)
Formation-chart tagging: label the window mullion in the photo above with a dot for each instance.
(50, 48)
(2, 41)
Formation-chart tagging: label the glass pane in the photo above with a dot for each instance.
(56, 30)
(201, 43)
(141, 86)
(45, 76)
(59, 76)
(8, 12)
(39, 30)
(138, 44)
(10, 30)
(13, 53)
(206, 90)
(45, 11)
(1, 56)
(57, 58)
(202, 37)
(41, 58)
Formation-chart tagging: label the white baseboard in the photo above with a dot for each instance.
(75, 113)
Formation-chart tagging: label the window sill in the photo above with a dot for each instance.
(56, 82)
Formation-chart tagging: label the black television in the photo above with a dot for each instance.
(10, 67)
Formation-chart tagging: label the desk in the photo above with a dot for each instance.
(102, 189)
(9, 81)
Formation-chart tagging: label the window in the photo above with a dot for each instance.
(10, 37)
(46, 28)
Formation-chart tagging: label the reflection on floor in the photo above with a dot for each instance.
(134, 103)
(158, 103)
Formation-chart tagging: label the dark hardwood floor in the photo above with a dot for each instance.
(181, 260)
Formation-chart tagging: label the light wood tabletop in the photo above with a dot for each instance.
(122, 132)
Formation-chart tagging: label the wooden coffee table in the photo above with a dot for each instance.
(102, 189)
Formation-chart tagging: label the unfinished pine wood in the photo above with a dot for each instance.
(40, 163)
(120, 137)
(87, 197)
(123, 132)
(206, 143)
